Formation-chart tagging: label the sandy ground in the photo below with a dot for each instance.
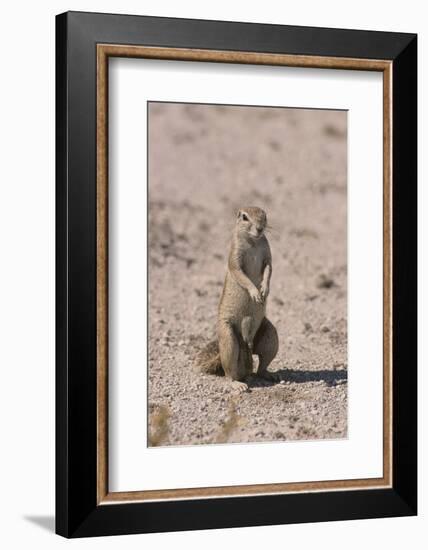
(204, 163)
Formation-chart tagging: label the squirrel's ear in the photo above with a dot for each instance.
(239, 214)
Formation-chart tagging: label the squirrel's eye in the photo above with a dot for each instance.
(245, 217)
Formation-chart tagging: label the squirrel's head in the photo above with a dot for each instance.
(252, 221)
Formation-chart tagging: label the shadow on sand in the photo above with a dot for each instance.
(329, 377)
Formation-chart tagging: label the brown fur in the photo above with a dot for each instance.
(242, 322)
(208, 360)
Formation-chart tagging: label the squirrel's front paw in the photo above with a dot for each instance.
(255, 295)
(264, 291)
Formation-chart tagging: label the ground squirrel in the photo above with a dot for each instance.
(242, 326)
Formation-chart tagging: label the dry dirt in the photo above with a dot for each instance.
(204, 163)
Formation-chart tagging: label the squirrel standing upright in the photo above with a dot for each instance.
(242, 326)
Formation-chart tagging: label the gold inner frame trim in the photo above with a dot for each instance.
(104, 51)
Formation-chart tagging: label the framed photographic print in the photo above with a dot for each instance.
(236, 274)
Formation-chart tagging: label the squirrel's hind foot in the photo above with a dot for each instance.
(240, 387)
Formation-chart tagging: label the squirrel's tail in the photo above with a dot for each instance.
(208, 359)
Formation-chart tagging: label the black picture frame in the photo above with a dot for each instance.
(77, 511)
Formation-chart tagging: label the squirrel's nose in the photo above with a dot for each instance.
(259, 229)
